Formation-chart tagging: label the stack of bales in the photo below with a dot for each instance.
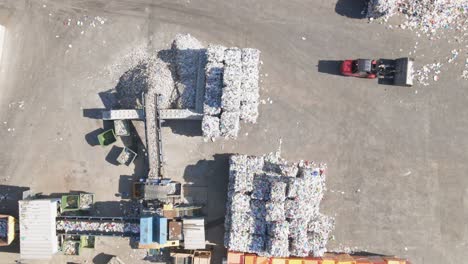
(273, 207)
(232, 91)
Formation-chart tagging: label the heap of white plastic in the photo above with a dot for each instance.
(273, 207)
(425, 15)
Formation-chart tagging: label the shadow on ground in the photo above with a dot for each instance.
(329, 66)
(102, 258)
(351, 8)
(91, 137)
(189, 128)
(113, 154)
(209, 180)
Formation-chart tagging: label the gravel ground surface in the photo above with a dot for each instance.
(396, 156)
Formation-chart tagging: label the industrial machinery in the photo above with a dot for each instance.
(7, 230)
(395, 72)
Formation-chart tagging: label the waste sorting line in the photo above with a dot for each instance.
(98, 226)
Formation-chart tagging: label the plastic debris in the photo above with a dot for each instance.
(281, 216)
(70, 247)
(104, 227)
(210, 126)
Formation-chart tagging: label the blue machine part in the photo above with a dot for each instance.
(161, 229)
(146, 230)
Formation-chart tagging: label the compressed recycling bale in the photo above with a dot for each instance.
(229, 124)
(213, 89)
(215, 53)
(231, 92)
(279, 230)
(210, 126)
(271, 163)
(238, 242)
(288, 169)
(241, 181)
(291, 208)
(277, 247)
(258, 208)
(298, 229)
(258, 226)
(249, 111)
(275, 211)
(233, 56)
(293, 185)
(250, 56)
(240, 202)
(241, 222)
(261, 187)
(238, 161)
(255, 164)
(299, 247)
(322, 227)
(257, 244)
(277, 191)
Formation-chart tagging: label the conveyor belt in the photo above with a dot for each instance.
(98, 226)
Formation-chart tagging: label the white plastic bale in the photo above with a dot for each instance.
(257, 244)
(233, 56)
(255, 164)
(241, 181)
(299, 247)
(213, 89)
(215, 53)
(277, 191)
(229, 124)
(240, 203)
(288, 169)
(261, 187)
(278, 230)
(275, 211)
(250, 56)
(210, 126)
(322, 226)
(241, 222)
(258, 208)
(231, 92)
(271, 163)
(277, 247)
(249, 111)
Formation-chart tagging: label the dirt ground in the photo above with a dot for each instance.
(396, 155)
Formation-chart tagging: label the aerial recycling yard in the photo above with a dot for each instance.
(146, 131)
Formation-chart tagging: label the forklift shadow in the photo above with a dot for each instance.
(351, 8)
(329, 66)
